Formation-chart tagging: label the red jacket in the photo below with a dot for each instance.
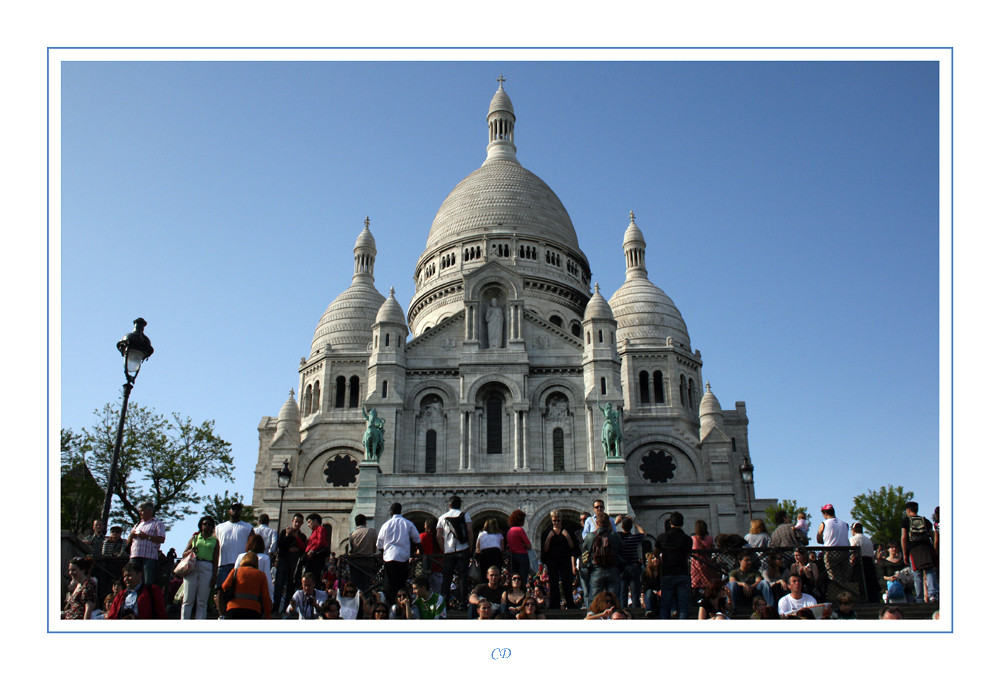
(148, 604)
(319, 539)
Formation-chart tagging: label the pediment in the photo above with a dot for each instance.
(716, 436)
(446, 336)
(543, 336)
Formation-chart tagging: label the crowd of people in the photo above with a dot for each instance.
(608, 567)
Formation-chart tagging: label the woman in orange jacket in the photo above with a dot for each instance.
(245, 591)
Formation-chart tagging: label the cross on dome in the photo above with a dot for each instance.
(501, 80)
(631, 216)
(367, 222)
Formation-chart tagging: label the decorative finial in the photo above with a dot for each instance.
(291, 394)
(392, 291)
(501, 80)
(367, 221)
(631, 216)
(708, 387)
(597, 289)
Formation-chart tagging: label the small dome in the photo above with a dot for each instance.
(347, 322)
(289, 410)
(709, 403)
(633, 235)
(598, 307)
(501, 102)
(644, 312)
(365, 238)
(390, 311)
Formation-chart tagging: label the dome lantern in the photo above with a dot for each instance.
(500, 120)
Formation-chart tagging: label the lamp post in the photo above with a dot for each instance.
(135, 348)
(284, 479)
(746, 471)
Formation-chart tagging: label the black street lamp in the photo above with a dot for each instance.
(746, 471)
(284, 479)
(135, 348)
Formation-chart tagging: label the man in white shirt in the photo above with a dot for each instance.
(454, 533)
(834, 533)
(795, 599)
(232, 537)
(395, 540)
(867, 550)
(270, 536)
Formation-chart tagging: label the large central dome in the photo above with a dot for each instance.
(502, 197)
(502, 213)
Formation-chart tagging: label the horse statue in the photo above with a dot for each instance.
(611, 435)
(374, 437)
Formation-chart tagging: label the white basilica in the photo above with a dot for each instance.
(497, 395)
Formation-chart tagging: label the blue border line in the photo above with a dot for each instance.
(49, 49)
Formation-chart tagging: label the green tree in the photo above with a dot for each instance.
(163, 460)
(791, 507)
(218, 507)
(881, 512)
(81, 498)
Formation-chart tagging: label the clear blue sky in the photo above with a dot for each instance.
(790, 211)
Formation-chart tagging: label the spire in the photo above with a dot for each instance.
(500, 120)
(364, 254)
(635, 250)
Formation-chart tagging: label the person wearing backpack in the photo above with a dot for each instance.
(454, 533)
(602, 552)
(917, 539)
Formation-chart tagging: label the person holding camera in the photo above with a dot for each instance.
(306, 603)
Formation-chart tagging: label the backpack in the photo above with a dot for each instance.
(919, 531)
(600, 552)
(458, 528)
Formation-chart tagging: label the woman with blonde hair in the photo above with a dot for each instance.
(758, 537)
(490, 546)
(650, 582)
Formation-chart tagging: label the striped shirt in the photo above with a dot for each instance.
(632, 548)
(144, 547)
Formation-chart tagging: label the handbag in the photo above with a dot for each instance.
(533, 560)
(186, 565)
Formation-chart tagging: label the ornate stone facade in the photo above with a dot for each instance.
(498, 396)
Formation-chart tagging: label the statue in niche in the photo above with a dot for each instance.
(611, 435)
(494, 325)
(373, 439)
(432, 411)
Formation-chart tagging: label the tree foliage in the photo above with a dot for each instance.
(218, 507)
(163, 460)
(881, 512)
(791, 507)
(81, 498)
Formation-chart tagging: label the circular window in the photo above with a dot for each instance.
(341, 470)
(657, 466)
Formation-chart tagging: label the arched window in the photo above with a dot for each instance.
(588, 337)
(658, 387)
(307, 400)
(555, 321)
(341, 388)
(604, 386)
(316, 401)
(494, 423)
(385, 388)
(558, 456)
(355, 391)
(431, 449)
(576, 329)
(643, 387)
(682, 388)
(691, 392)
(600, 337)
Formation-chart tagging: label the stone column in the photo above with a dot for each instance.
(367, 490)
(462, 432)
(591, 463)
